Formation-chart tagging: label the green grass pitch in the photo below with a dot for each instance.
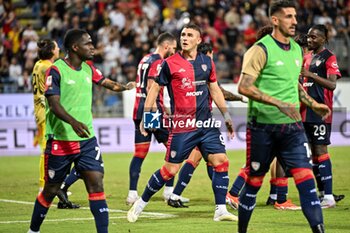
(18, 189)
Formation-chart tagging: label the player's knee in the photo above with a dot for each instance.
(167, 172)
(223, 167)
(255, 181)
(217, 159)
(141, 150)
(301, 174)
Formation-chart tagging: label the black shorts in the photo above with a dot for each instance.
(318, 133)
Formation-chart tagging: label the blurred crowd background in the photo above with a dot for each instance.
(124, 31)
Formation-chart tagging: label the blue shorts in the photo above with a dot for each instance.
(318, 133)
(208, 141)
(287, 142)
(59, 156)
(161, 134)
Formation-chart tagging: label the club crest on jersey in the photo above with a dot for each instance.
(318, 62)
(255, 165)
(51, 173)
(172, 154)
(297, 62)
(204, 67)
(88, 80)
(49, 81)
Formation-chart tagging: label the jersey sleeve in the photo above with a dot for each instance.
(154, 69)
(52, 81)
(332, 66)
(164, 76)
(97, 76)
(254, 61)
(212, 77)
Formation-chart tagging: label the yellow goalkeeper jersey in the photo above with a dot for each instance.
(38, 81)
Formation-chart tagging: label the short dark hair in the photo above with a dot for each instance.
(72, 36)
(322, 28)
(205, 48)
(166, 36)
(45, 49)
(194, 27)
(301, 39)
(277, 5)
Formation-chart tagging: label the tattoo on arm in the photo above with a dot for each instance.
(304, 97)
(253, 92)
(114, 86)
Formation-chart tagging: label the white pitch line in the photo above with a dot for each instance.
(144, 214)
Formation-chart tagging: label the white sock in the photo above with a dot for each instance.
(273, 196)
(168, 189)
(133, 193)
(328, 197)
(142, 203)
(30, 231)
(220, 208)
(174, 196)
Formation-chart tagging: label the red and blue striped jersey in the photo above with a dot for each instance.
(323, 64)
(187, 84)
(148, 68)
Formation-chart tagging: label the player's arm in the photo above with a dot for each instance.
(253, 62)
(330, 82)
(321, 109)
(98, 78)
(52, 94)
(229, 96)
(218, 98)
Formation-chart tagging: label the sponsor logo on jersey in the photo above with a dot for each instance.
(308, 84)
(71, 82)
(199, 83)
(186, 83)
(141, 95)
(194, 93)
(279, 63)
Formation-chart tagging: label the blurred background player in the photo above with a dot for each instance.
(195, 157)
(320, 73)
(71, 137)
(48, 52)
(147, 71)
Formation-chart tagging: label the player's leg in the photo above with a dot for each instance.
(40, 139)
(62, 195)
(185, 174)
(142, 145)
(90, 166)
(179, 147)
(258, 159)
(232, 195)
(271, 200)
(57, 167)
(295, 157)
(282, 203)
(213, 150)
(325, 171)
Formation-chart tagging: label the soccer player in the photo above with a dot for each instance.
(147, 71)
(48, 52)
(195, 157)
(320, 74)
(191, 80)
(69, 129)
(270, 74)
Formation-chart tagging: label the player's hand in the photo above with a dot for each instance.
(130, 85)
(142, 129)
(306, 73)
(289, 110)
(230, 130)
(321, 110)
(80, 129)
